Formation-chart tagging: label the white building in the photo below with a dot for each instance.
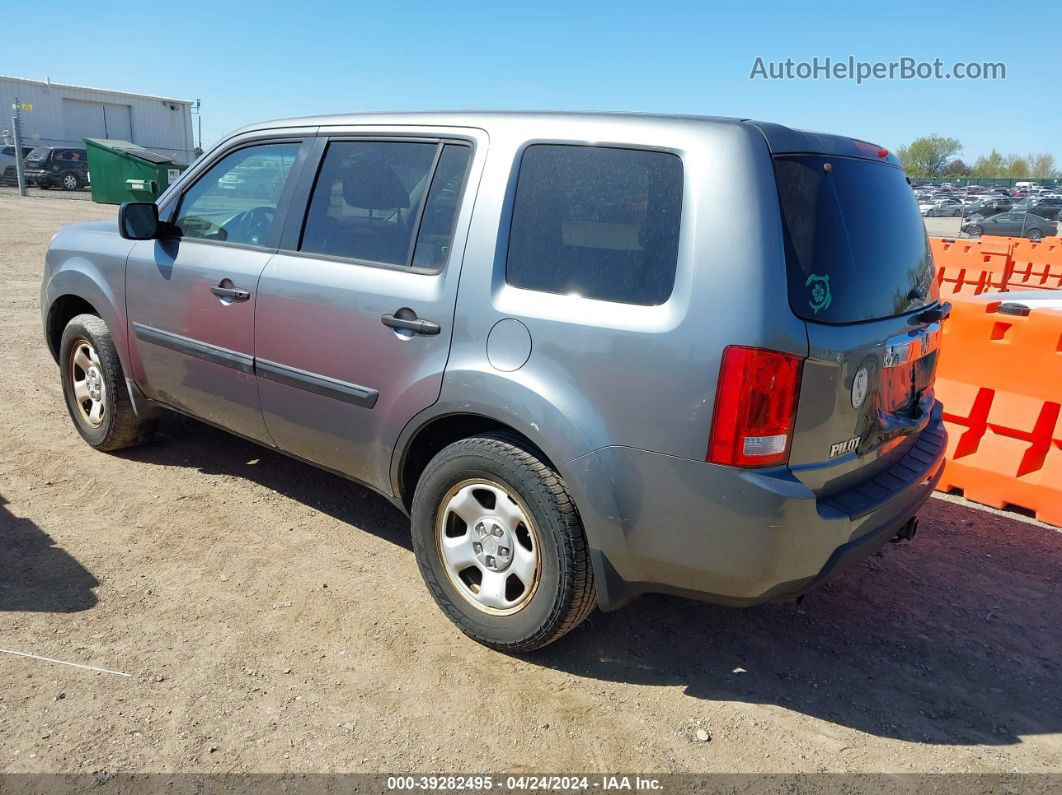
(64, 115)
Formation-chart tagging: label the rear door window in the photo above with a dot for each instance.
(598, 222)
(367, 201)
(856, 245)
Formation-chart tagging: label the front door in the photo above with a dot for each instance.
(191, 295)
(352, 330)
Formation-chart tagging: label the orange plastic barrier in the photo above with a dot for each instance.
(1036, 265)
(1000, 379)
(971, 267)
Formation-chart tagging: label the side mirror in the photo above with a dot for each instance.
(138, 220)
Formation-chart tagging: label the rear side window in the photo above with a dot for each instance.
(387, 202)
(856, 245)
(440, 212)
(598, 222)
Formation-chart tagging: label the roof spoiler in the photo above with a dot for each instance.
(785, 140)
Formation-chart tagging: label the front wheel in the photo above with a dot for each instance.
(95, 390)
(69, 182)
(975, 231)
(500, 545)
(1035, 235)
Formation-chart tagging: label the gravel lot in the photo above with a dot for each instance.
(272, 618)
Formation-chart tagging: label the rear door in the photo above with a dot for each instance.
(860, 274)
(355, 313)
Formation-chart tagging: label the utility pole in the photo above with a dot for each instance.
(199, 114)
(20, 167)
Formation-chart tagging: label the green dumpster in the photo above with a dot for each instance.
(122, 172)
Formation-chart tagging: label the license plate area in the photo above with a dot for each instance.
(908, 367)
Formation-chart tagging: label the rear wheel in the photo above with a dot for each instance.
(1035, 234)
(95, 390)
(500, 545)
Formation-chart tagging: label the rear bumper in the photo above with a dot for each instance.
(662, 524)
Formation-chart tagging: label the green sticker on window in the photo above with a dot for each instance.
(820, 292)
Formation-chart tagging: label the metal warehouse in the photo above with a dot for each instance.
(65, 115)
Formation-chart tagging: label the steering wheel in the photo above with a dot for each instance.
(253, 225)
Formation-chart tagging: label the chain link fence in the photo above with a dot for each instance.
(26, 169)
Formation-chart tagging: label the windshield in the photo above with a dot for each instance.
(856, 244)
(39, 153)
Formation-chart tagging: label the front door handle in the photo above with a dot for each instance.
(407, 319)
(226, 290)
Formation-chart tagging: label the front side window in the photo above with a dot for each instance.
(598, 222)
(390, 202)
(236, 200)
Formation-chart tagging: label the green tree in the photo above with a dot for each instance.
(1017, 167)
(927, 156)
(1042, 166)
(993, 164)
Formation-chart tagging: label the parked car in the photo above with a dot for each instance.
(1042, 207)
(1012, 224)
(604, 407)
(57, 167)
(989, 205)
(8, 168)
(944, 207)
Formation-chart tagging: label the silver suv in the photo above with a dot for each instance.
(541, 337)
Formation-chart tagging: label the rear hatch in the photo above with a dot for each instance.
(860, 275)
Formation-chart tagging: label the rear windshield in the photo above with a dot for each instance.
(856, 245)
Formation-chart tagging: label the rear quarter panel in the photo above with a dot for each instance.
(603, 373)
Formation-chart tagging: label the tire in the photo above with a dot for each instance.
(115, 426)
(1035, 235)
(69, 181)
(976, 231)
(525, 616)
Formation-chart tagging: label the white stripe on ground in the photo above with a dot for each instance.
(1017, 517)
(64, 662)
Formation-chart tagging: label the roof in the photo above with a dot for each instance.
(780, 139)
(474, 118)
(131, 149)
(50, 84)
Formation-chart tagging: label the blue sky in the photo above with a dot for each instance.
(254, 61)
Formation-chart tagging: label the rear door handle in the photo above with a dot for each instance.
(235, 293)
(410, 322)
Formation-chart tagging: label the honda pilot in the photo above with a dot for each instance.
(538, 336)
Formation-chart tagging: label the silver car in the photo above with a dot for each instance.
(541, 337)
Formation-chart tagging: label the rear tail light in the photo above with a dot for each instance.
(755, 407)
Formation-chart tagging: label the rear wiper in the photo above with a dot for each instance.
(932, 315)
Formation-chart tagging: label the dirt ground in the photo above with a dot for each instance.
(271, 618)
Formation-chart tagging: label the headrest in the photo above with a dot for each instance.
(371, 184)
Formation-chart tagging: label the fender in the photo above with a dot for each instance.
(79, 277)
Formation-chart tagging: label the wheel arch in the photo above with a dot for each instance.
(60, 312)
(420, 443)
